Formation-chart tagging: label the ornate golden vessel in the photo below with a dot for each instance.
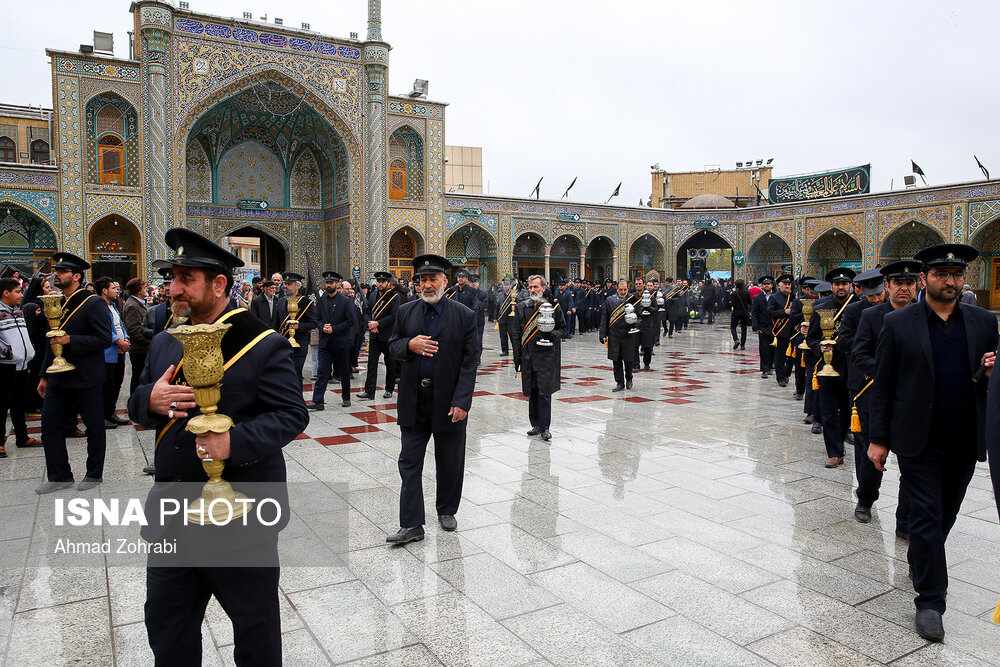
(828, 322)
(293, 310)
(807, 311)
(203, 370)
(52, 305)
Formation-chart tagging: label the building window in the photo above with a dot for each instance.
(397, 179)
(254, 256)
(8, 150)
(40, 151)
(110, 160)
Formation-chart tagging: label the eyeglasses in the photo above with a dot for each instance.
(943, 276)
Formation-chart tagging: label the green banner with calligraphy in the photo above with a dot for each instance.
(852, 181)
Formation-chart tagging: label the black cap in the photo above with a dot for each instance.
(165, 269)
(291, 277)
(872, 282)
(765, 280)
(67, 260)
(956, 255)
(840, 274)
(330, 276)
(432, 264)
(461, 272)
(267, 283)
(785, 278)
(562, 282)
(505, 281)
(473, 277)
(383, 275)
(804, 280)
(193, 249)
(902, 270)
(823, 287)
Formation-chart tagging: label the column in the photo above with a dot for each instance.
(615, 274)
(375, 58)
(583, 261)
(548, 247)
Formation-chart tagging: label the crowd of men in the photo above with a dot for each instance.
(893, 359)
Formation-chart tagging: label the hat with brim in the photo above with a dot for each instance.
(382, 275)
(955, 255)
(69, 261)
(765, 280)
(822, 287)
(904, 269)
(871, 282)
(331, 276)
(841, 274)
(785, 278)
(473, 277)
(164, 268)
(194, 250)
(430, 264)
(291, 277)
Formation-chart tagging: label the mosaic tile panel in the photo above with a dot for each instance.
(83, 67)
(435, 184)
(958, 224)
(938, 217)
(250, 171)
(505, 257)
(305, 182)
(982, 213)
(904, 242)
(42, 204)
(456, 220)
(109, 113)
(415, 109)
(852, 224)
(92, 86)
(800, 246)
(540, 227)
(199, 174)
(70, 158)
(99, 206)
(235, 35)
(871, 231)
(784, 228)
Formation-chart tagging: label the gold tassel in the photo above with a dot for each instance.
(802, 361)
(855, 420)
(815, 379)
(496, 325)
(996, 614)
(790, 352)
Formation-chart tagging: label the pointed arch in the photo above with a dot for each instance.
(831, 249)
(906, 239)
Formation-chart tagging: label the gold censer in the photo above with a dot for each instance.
(807, 311)
(52, 305)
(293, 310)
(203, 370)
(828, 322)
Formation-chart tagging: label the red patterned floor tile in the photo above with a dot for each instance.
(745, 371)
(675, 401)
(637, 399)
(383, 406)
(336, 440)
(517, 395)
(137, 427)
(374, 417)
(584, 399)
(482, 393)
(366, 428)
(592, 379)
(301, 436)
(586, 384)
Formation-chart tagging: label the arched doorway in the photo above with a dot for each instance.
(646, 255)
(768, 255)
(834, 248)
(529, 255)
(904, 241)
(983, 275)
(711, 253)
(600, 259)
(564, 258)
(262, 254)
(471, 247)
(114, 249)
(405, 244)
(26, 241)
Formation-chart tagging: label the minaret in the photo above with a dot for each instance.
(375, 58)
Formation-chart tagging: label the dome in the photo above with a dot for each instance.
(708, 201)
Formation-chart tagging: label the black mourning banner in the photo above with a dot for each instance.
(851, 181)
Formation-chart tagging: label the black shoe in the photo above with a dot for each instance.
(504, 354)
(108, 424)
(628, 383)
(448, 522)
(346, 403)
(534, 430)
(764, 375)
(929, 625)
(365, 396)
(316, 407)
(120, 421)
(817, 428)
(736, 344)
(863, 514)
(798, 396)
(782, 383)
(387, 394)
(903, 535)
(808, 419)
(743, 347)
(849, 439)
(406, 535)
(646, 367)
(546, 435)
(149, 470)
(619, 387)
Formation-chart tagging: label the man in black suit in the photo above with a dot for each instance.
(305, 318)
(835, 409)
(537, 355)
(929, 407)
(760, 322)
(265, 306)
(262, 396)
(902, 280)
(621, 332)
(384, 303)
(505, 314)
(336, 320)
(482, 302)
(779, 309)
(86, 324)
(435, 340)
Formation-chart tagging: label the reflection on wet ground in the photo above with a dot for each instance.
(688, 521)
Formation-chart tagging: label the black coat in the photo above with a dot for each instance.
(862, 364)
(741, 302)
(676, 303)
(89, 331)
(816, 332)
(338, 311)
(258, 306)
(649, 321)
(454, 364)
(902, 403)
(782, 325)
(382, 309)
(307, 321)
(760, 320)
(621, 344)
(848, 330)
(534, 360)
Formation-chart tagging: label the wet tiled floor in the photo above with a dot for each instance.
(689, 521)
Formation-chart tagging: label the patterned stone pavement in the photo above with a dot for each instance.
(689, 521)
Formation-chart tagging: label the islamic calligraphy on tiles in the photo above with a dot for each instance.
(27, 179)
(241, 34)
(201, 67)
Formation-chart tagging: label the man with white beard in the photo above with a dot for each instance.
(436, 342)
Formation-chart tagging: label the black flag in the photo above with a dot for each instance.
(311, 289)
(760, 195)
(566, 194)
(615, 193)
(985, 170)
(917, 170)
(536, 191)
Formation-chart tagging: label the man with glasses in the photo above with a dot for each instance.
(929, 407)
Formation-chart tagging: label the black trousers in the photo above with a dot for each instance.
(378, 349)
(800, 373)
(114, 374)
(138, 361)
(766, 351)
(176, 598)
(936, 483)
(481, 326)
(677, 325)
(811, 404)
(506, 335)
(299, 355)
(449, 461)
(835, 413)
(59, 416)
(539, 407)
(570, 324)
(743, 322)
(13, 398)
(870, 478)
(782, 362)
(623, 370)
(340, 359)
